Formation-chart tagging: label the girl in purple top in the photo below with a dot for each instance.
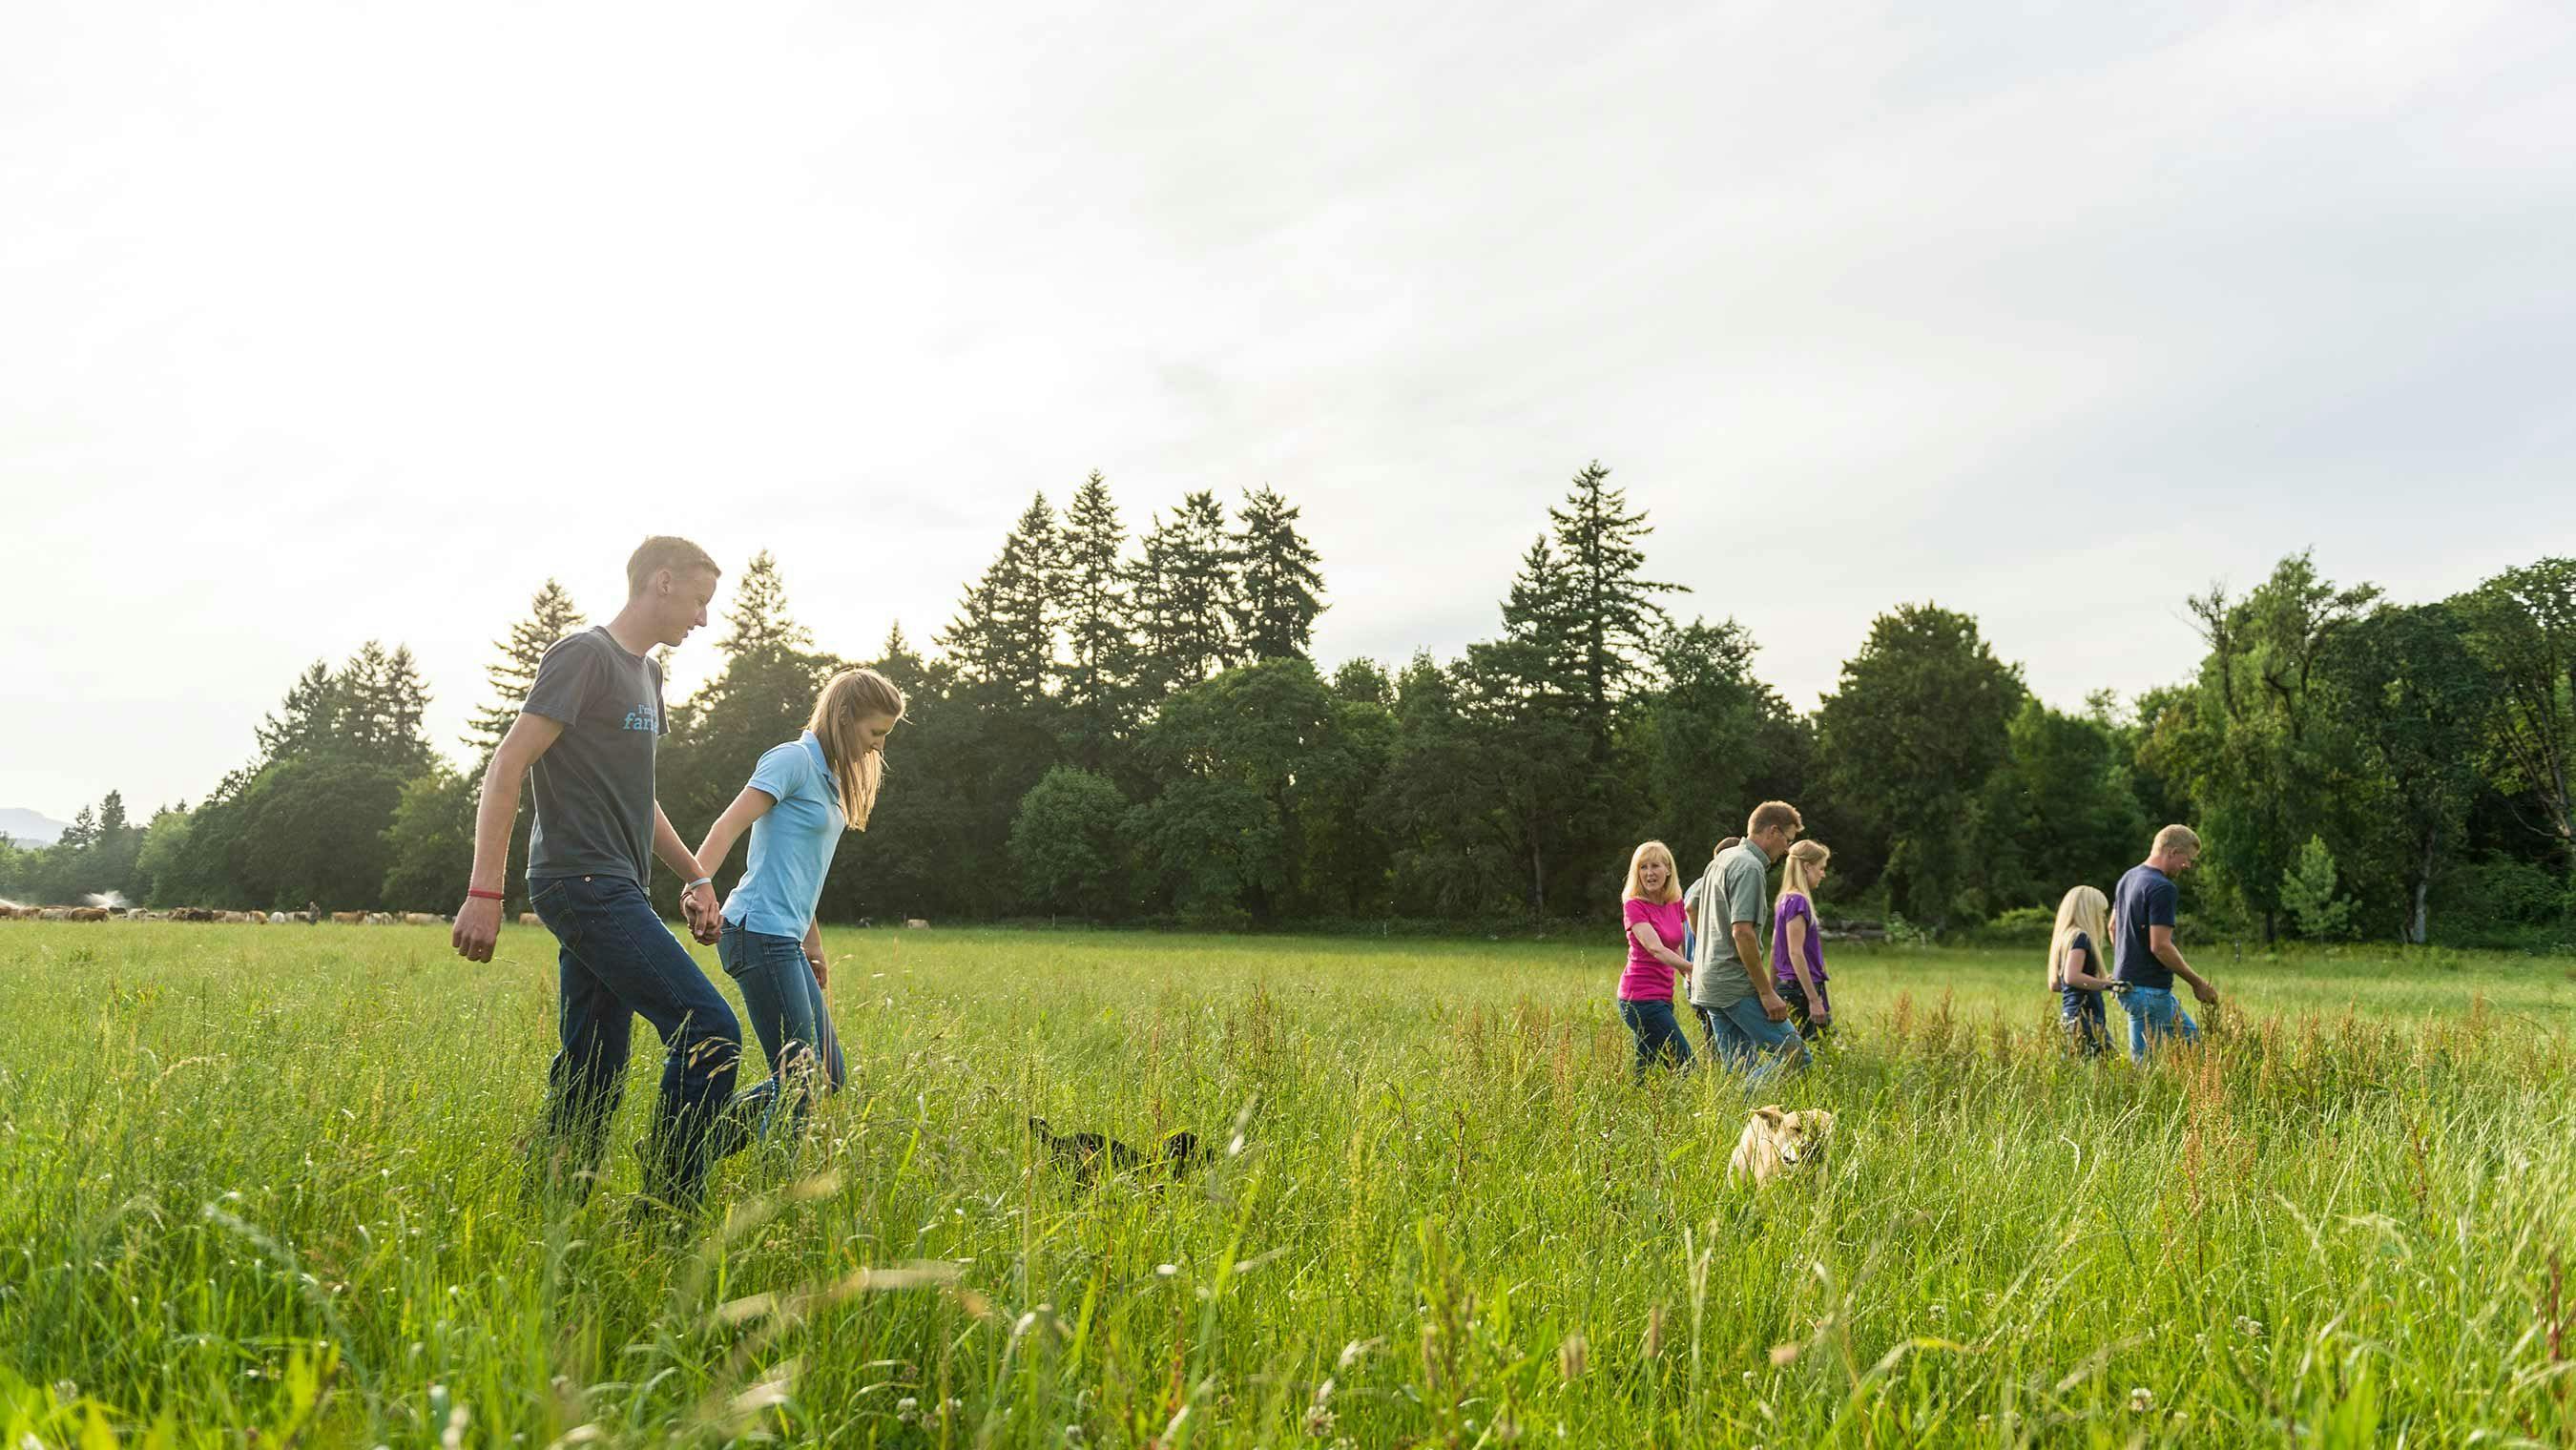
(1798, 945)
(1651, 911)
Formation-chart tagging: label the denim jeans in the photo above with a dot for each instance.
(619, 960)
(2154, 1013)
(787, 1013)
(1802, 1012)
(2080, 1014)
(1658, 1033)
(1743, 1036)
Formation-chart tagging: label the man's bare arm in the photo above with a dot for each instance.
(478, 921)
(2160, 941)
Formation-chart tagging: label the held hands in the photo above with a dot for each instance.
(478, 926)
(705, 914)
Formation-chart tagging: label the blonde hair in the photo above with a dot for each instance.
(1771, 814)
(1672, 874)
(663, 551)
(848, 698)
(2176, 838)
(1805, 863)
(2083, 909)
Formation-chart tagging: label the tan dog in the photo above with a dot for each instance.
(1775, 1142)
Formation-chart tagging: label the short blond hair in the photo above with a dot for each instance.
(665, 551)
(2176, 838)
(1772, 814)
(1653, 850)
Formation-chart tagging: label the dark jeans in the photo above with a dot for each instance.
(787, 1013)
(1802, 1011)
(619, 960)
(2080, 1013)
(1658, 1033)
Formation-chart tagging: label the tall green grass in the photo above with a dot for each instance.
(271, 1180)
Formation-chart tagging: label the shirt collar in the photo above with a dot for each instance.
(814, 748)
(1758, 853)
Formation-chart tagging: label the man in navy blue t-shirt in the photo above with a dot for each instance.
(2142, 925)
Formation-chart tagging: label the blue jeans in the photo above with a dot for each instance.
(794, 1027)
(1658, 1033)
(1743, 1036)
(2155, 1013)
(619, 960)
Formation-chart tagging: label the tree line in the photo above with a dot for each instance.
(1125, 727)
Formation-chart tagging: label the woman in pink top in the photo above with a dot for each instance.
(1652, 911)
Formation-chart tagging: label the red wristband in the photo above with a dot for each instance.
(482, 895)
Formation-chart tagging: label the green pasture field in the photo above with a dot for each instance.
(267, 1185)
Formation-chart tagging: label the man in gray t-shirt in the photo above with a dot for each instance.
(594, 785)
(587, 737)
(1731, 985)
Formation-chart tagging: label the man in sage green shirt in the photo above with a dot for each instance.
(1731, 987)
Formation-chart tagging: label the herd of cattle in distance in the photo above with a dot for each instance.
(10, 911)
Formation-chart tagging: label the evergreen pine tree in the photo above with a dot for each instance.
(382, 702)
(1004, 634)
(757, 624)
(898, 661)
(1280, 589)
(307, 720)
(1612, 620)
(1186, 589)
(551, 616)
(1099, 666)
(111, 815)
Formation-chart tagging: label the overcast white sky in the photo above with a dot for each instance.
(330, 321)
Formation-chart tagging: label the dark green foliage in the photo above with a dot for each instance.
(1105, 734)
(1065, 845)
(431, 841)
(2267, 758)
(551, 616)
(2522, 626)
(1186, 593)
(1097, 677)
(1911, 735)
(1279, 588)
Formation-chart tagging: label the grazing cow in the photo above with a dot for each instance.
(422, 918)
(349, 918)
(277, 918)
(191, 913)
(54, 913)
(245, 918)
(917, 924)
(381, 918)
(530, 918)
(89, 913)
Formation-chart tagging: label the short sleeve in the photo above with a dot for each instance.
(1744, 890)
(2160, 904)
(566, 680)
(2083, 943)
(781, 768)
(661, 711)
(1636, 909)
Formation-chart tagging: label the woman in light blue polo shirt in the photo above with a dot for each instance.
(801, 797)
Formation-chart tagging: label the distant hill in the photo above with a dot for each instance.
(27, 828)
